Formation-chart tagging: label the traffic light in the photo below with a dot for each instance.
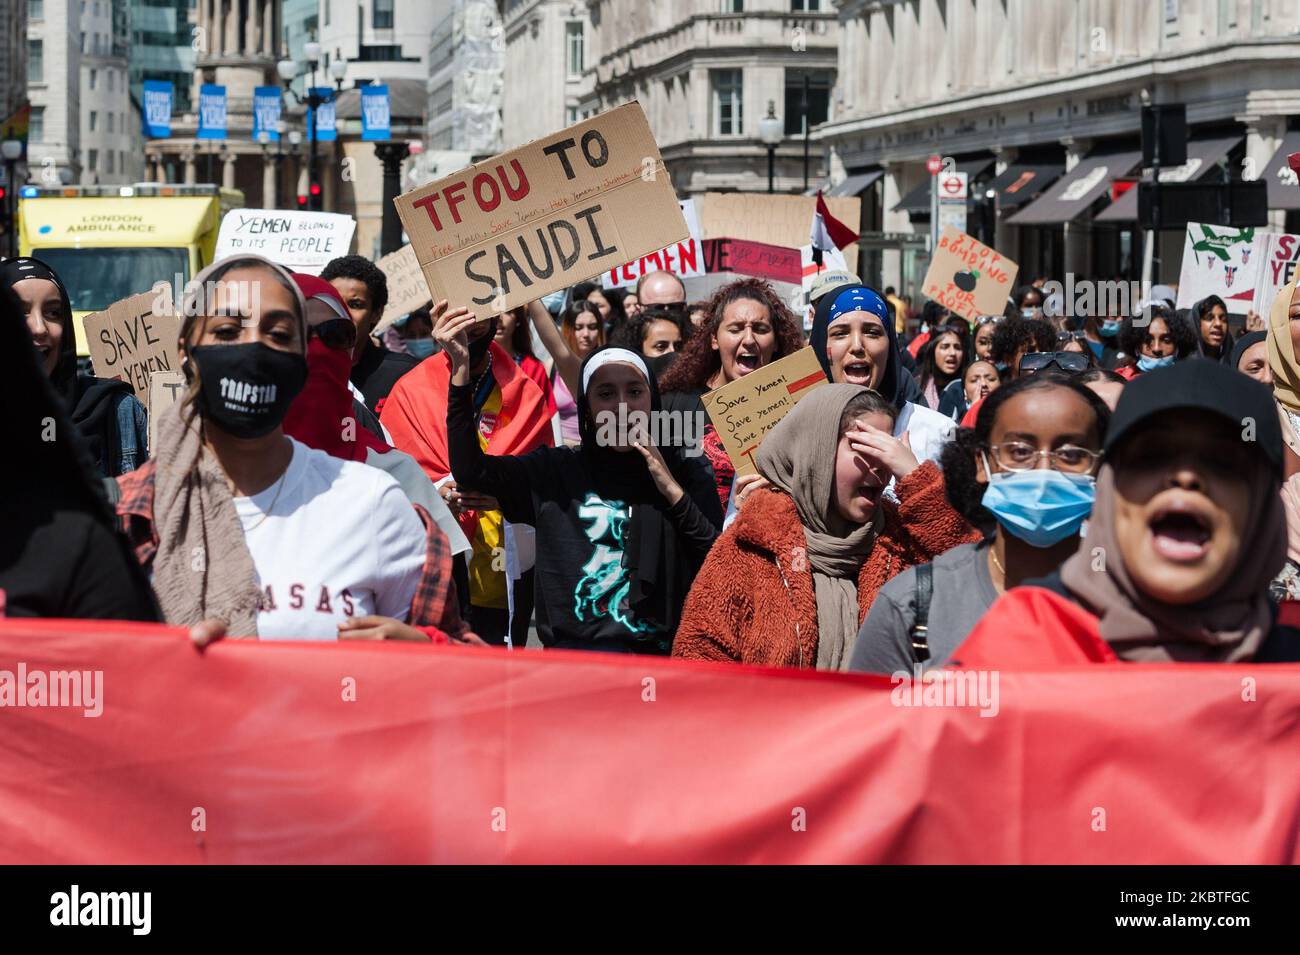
(316, 201)
(302, 202)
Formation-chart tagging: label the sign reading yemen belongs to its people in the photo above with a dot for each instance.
(539, 218)
(129, 340)
(745, 410)
(967, 277)
(407, 289)
(301, 241)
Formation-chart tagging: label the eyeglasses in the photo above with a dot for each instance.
(336, 333)
(1070, 361)
(1064, 337)
(1020, 456)
(987, 320)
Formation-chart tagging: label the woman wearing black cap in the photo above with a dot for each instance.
(1186, 533)
(108, 416)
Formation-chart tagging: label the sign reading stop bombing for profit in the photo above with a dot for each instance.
(561, 209)
(745, 410)
(300, 241)
(967, 277)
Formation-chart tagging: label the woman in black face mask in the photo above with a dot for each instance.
(248, 531)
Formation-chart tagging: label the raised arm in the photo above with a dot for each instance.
(566, 362)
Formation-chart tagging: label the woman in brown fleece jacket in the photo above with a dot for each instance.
(790, 582)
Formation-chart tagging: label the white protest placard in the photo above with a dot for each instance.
(134, 338)
(744, 410)
(1222, 261)
(541, 217)
(683, 259)
(1276, 269)
(407, 289)
(300, 241)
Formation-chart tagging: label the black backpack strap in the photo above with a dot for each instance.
(920, 624)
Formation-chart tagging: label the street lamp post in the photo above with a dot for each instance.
(289, 71)
(771, 132)
(11, 150)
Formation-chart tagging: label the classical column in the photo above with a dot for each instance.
(1078, 247)
(1263, 137)
(268, 28)
(228, 170)
(188, 157)
(231, 37)
(269, 182)
(251, 23)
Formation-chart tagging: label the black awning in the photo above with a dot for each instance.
(918, 200)
(1022, 182)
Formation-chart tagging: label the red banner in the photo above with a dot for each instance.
(386, 753)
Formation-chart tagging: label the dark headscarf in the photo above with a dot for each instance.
(1242, 345)
(91, 402)
(897, 385)
(661, 573)
(1194, 316)
(50, 469)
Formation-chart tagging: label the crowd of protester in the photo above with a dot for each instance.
(1031, 486)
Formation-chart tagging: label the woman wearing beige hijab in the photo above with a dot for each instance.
(248, 532)
(1283, 344)
(790, 581)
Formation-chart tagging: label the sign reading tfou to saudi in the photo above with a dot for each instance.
(559, 210)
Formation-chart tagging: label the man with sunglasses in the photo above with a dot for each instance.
(1069, 362)
(663, 289)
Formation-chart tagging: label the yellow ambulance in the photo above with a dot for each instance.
(108, 242)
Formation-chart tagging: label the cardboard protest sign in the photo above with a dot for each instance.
(407, 289)
(129, 340)
(571, 205)
(300, 241)
(757, 259)
(1222, 261)
(684, 259)
(773, 219)
(746, 409)
(165, 388)
(967, 277)
(1276, 269)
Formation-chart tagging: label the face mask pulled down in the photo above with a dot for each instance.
(245, 390)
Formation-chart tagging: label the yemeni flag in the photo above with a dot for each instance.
(828, 232)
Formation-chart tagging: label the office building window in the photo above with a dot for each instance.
(36, 127)
(805, 6)
(326, 5)
(728, 102)
(93, 118)
(732, 6)
(382, 17)
(93, 160)
(110, 126)
(819, 99)
(92, 78)
(35, 61)
(110, 81)
(577, 42)
(35, 9)
(109, 155)
(573, 115)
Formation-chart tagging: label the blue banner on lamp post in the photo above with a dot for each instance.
(376, 122)
(157, 109)
(326, 126)
(212, 111)
(266, 112)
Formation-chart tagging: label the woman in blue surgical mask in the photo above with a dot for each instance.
(1024, 476)
(417, 334)
(1156, 338)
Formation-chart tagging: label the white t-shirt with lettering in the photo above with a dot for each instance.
(340, 540)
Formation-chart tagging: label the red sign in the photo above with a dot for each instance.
(952, 186)
(934, 164)
(757, 259)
